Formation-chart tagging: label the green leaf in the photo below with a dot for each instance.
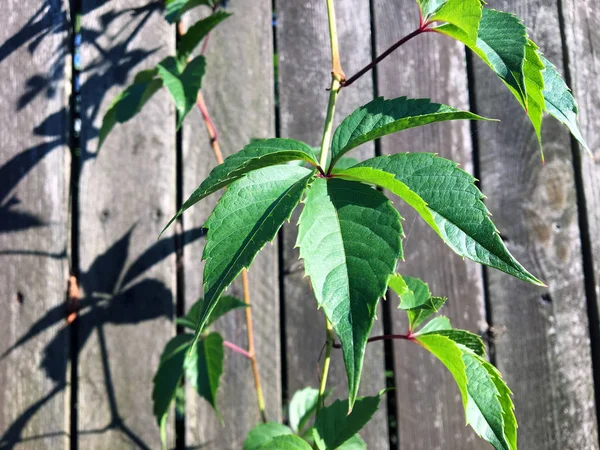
(486, 399)
(438, 323)
(448, 200)
(462, 337)
(286, 443)
(350, 240)
(534, 86)
(166, 380)
(247, 217)
(183, 85)
(176, 8)
(381, 117)
(128, 103)
(256, 155)
(197, 32)
(354, 443)
(264, 433)
(302, 407)
(560, 103)
(463, 14)
(415, 299)
(204, 367)
(226, 303)
(334, 425)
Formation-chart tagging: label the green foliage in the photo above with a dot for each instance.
(176, 8)
(465, 15)
(264, 433)
(302, 408)
(204, 367)
(381, 117)
(415, 299)
(448, 200)
(334, 426)
(226, 303)
(286, 443)
(194, 35)
(349, 239)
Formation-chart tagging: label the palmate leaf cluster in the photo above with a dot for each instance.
(349, 233)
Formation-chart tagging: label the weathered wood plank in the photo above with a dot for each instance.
(34, 161)
(127, 192)
(543, 348)
(430, 412)
(238, 91)
(304, 75)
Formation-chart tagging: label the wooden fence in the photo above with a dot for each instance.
(66, 209)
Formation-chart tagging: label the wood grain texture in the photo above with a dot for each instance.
(543, 350)
(34, 161)
(127, 193)
(434, 67)
(238, 90)
(304, 76)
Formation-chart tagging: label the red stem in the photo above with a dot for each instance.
(237, 349)
(405, 337)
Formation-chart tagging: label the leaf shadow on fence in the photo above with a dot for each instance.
(111, 68)
(115, 294)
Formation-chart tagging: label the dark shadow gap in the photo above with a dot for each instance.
(584, 230)
(180, 424)
(388, 345)
(487, 303)
(280, 241)
(75, 148)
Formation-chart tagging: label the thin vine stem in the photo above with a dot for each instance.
(251, 353)
(326, 362)
(387, 337)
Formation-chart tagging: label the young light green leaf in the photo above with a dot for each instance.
(183, 85)
(463, 14)
(334, 426)
(461, 337)
(448, 200)
(302, 407)
(176, 8)
(166, 380)
(350, 240)
(264, 433)
(560, 103)
(415, 299)
(354, 443)
(197, 32)
(247, 217)
(488, 408)
(534, 86)
(204, 367)
(226, 303)
(286, 443)
(381, 117)
(128, 103)
(438, 323)
(256, 155)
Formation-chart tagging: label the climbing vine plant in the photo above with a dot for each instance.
(349, 232)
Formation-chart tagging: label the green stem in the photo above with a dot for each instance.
(326, 362)
(326, 141)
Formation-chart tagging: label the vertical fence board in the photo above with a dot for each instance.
(238, 90)
(127, 193)
(304, 74)
(434, 67)
(34, 156)
(542, 344)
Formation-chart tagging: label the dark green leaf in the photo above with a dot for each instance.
(448, 200)
(350, 240)
(486, 398)
(302, 407)
(247, 217)
(381, 117)
(264, 433)
(197, 32)
(204, 367)
(560, 103)
(334, 425)
(183, 86)
(176, 8)
(128, 103)
(415, 299)
(166, 380)
(226, 303)
(286, 443)
(258, 154)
